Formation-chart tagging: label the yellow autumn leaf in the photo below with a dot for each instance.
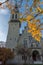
(30, 31)
(22, 19)
(29, 17)
(39, 9)
(32, 26)
(33, 35)
(37, 37)
(40, 34)
(36, 31)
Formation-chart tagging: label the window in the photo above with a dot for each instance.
(30, 38)
(15, 16)
(24, 57)
(38, 44)
(25, 43)
(32, 45)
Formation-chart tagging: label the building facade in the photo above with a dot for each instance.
(15, 41)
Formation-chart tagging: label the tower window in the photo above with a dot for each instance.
(15, 16)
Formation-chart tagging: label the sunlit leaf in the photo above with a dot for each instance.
(22, 19)
(37, 37)
(39, 9)
(29, 17)
(29, 31)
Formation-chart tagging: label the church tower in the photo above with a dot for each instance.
(13, 30)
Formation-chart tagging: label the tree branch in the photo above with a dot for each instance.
(36, 15)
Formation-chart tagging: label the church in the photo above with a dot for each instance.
(26, 48)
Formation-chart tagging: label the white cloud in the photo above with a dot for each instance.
(2, 36)
(2, 0)
(3, 11)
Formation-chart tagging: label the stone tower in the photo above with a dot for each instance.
(13, 30)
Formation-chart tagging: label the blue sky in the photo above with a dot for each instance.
(4, 19)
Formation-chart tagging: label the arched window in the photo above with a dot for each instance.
(36, 55)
